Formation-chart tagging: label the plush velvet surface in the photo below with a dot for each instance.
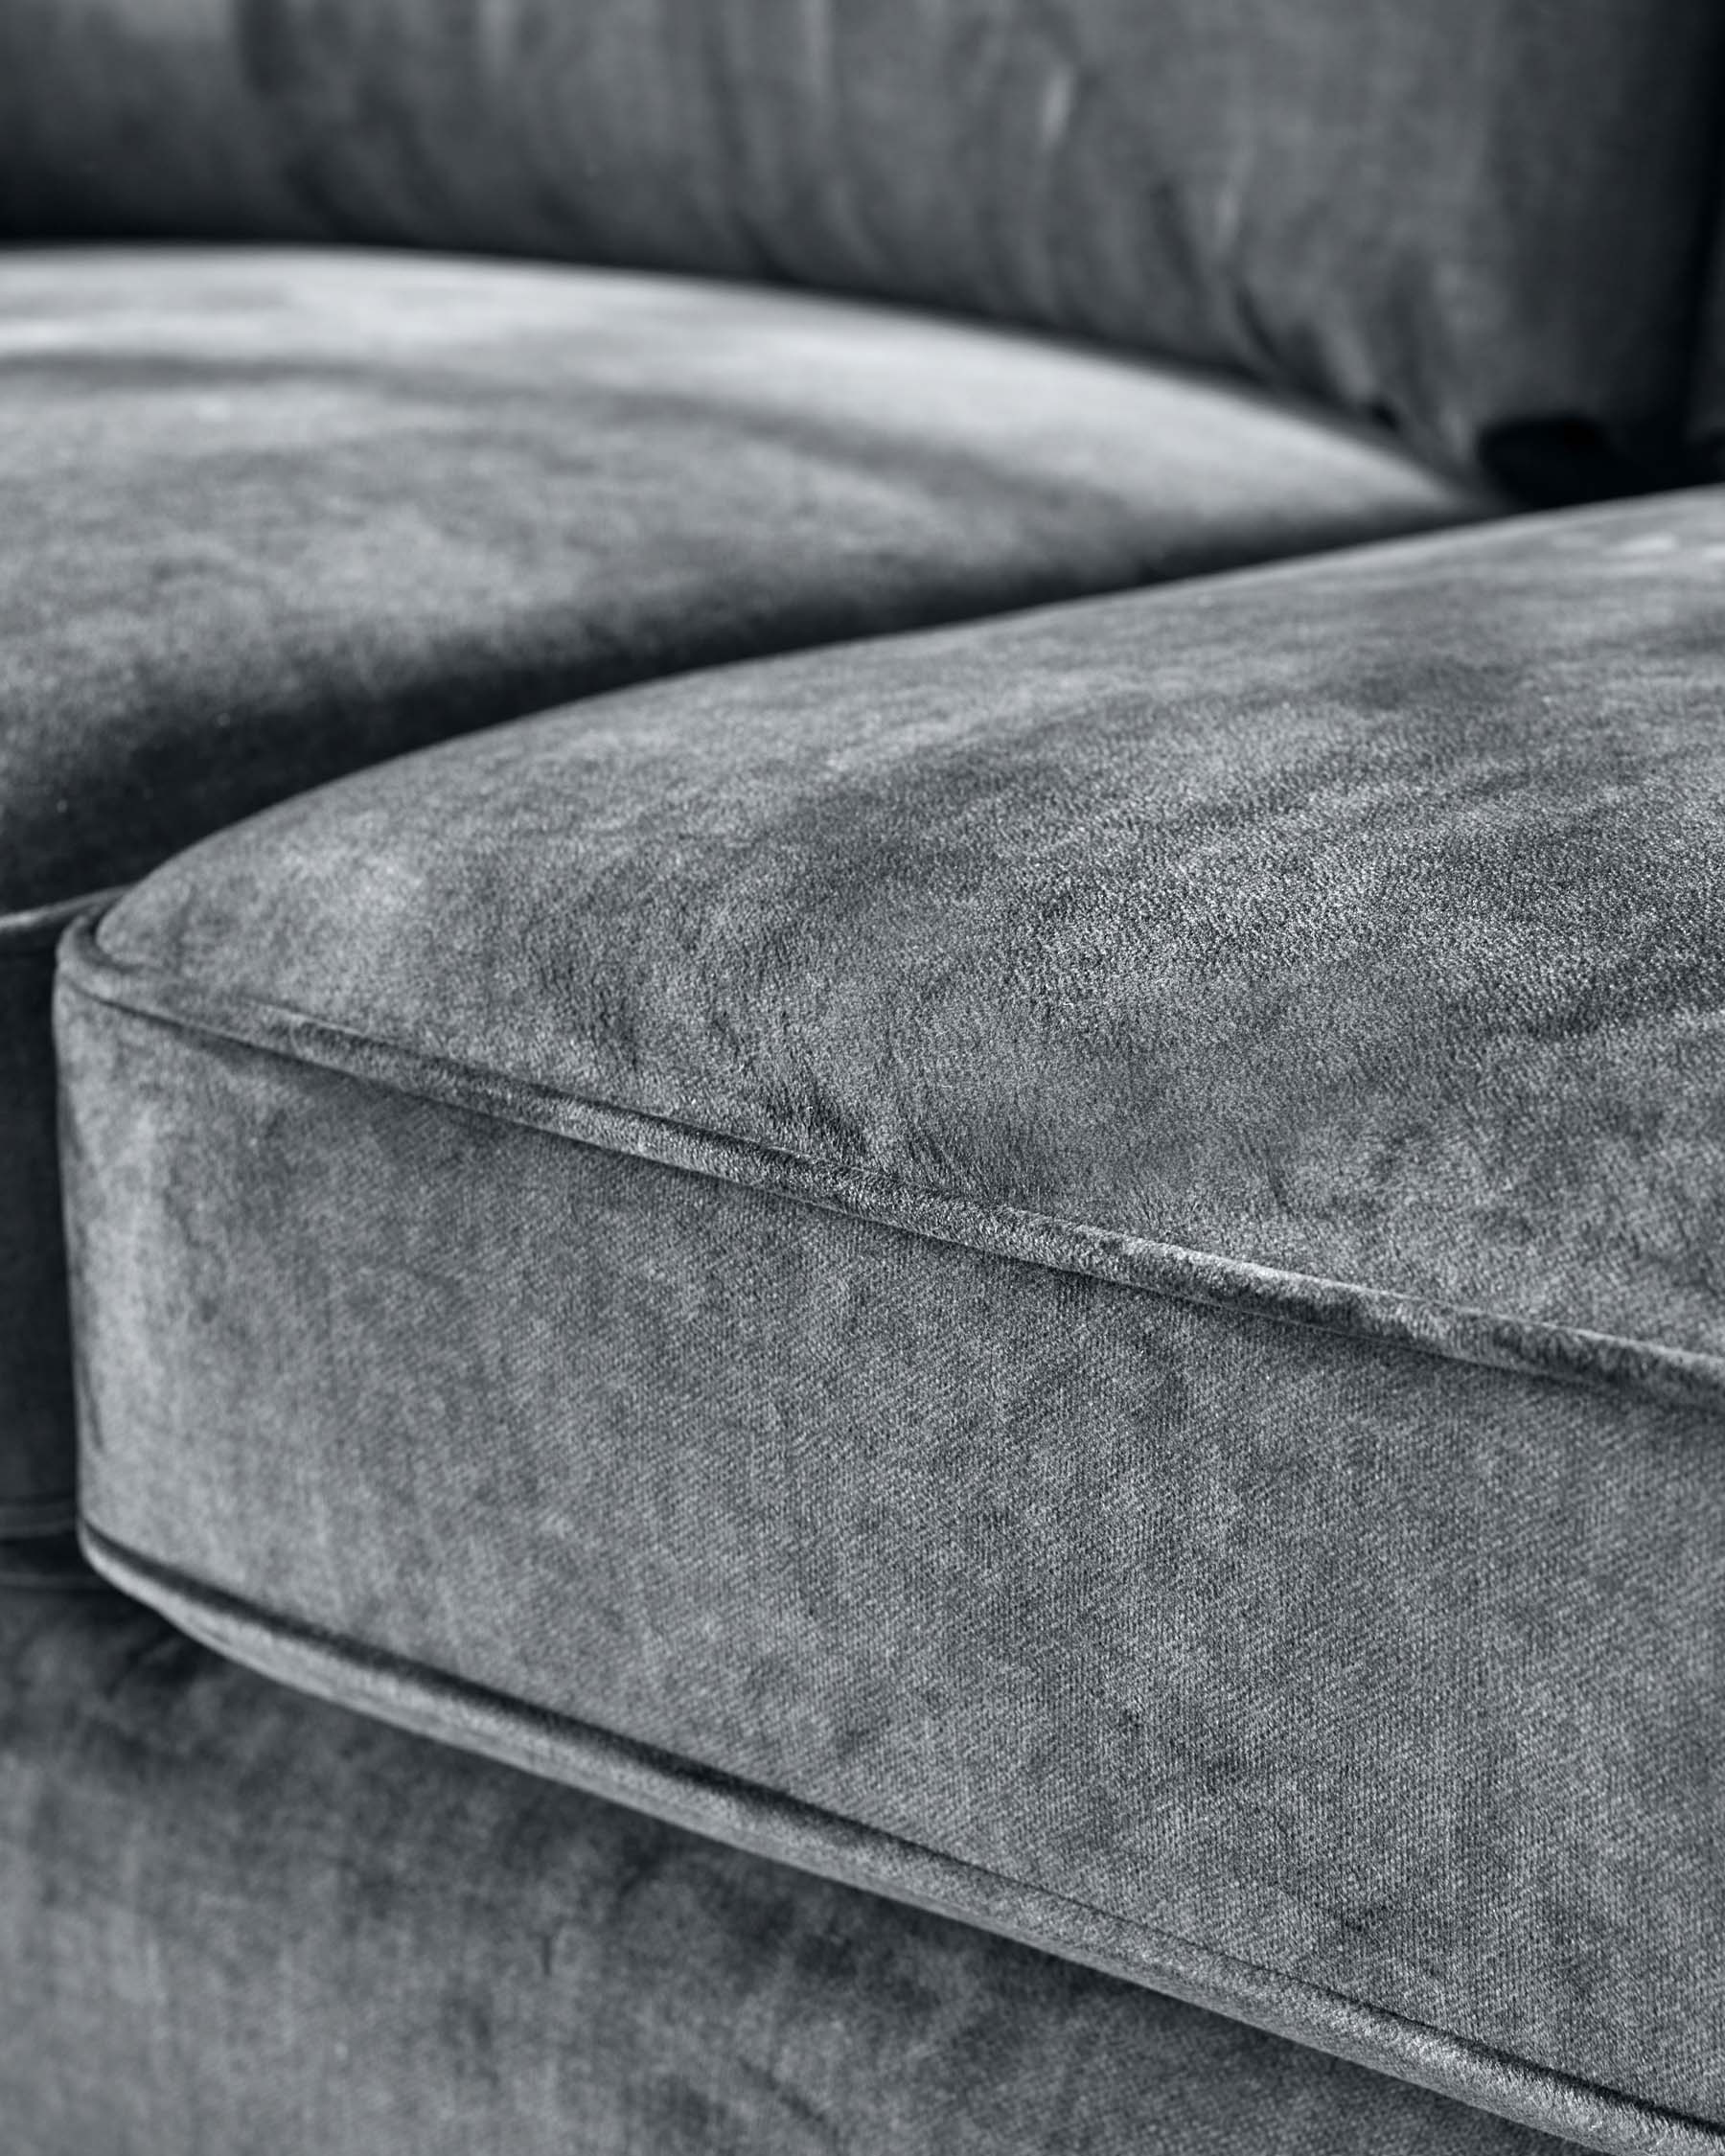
(273, 514)
(1360, 919)
(1466, 218)
(235, 1920)
(1085, 1249)
(271, 517)
(1304, 1678)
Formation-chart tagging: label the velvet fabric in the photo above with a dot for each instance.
(233, 1920)
(273, 516)
(1069, 1267)
(1484, 225)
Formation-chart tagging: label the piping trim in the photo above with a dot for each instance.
(748, 1816)
(1450, 1332)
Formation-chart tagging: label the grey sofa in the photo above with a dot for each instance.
(860, 1051)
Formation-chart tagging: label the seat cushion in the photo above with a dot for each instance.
(271, 516)
(1084, 1254)
(235, 1918)
(1485, 222)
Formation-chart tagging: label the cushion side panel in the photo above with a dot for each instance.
(1389, 1674)
(237, 1918)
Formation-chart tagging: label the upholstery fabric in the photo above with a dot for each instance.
(273, 516)
(1070, 1268)
(233, 1920)
(1482, 223)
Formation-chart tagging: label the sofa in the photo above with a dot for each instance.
(862, 949)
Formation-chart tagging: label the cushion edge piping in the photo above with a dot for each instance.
(33, 932)
(763, 1822)
(1532, 1348)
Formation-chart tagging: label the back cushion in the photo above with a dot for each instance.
(1480, 221)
